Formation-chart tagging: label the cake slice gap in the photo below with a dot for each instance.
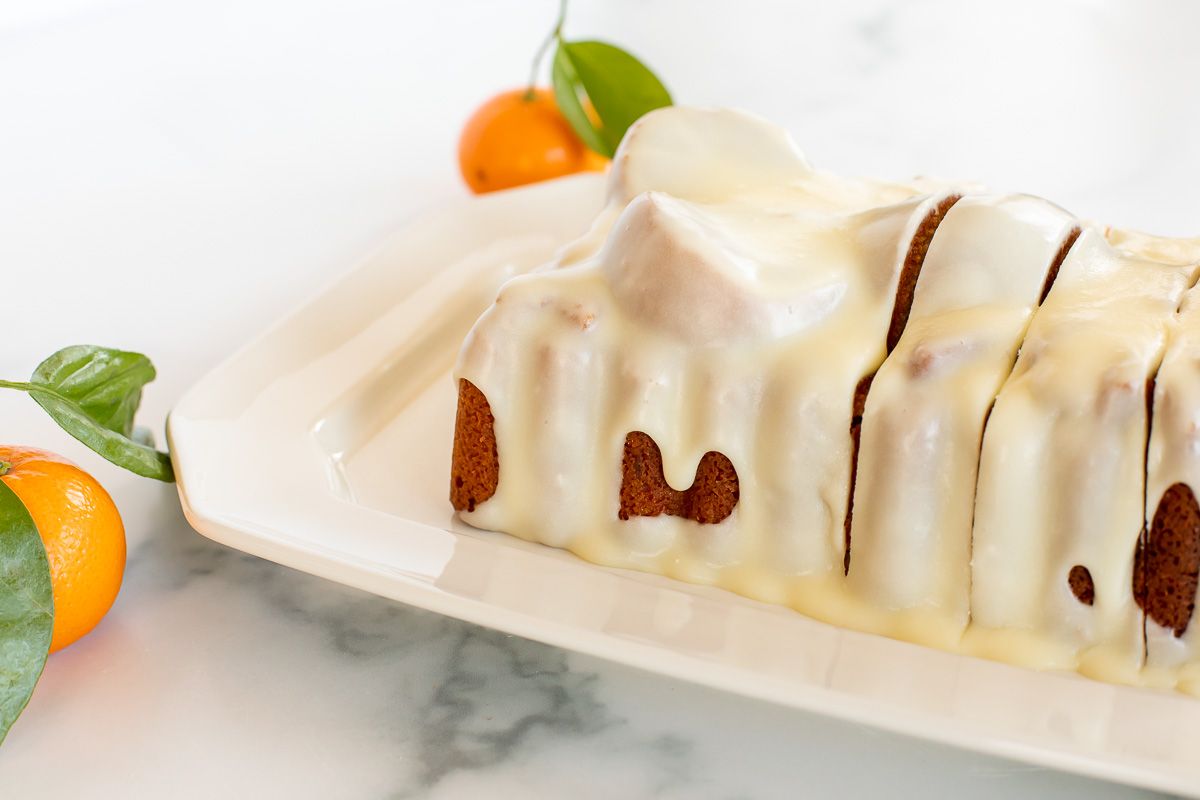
(906, 286)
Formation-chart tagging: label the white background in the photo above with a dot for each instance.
(176, 175)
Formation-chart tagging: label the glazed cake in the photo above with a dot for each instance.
(1168, 565)
(1060, 503)
(925, 411)
(900, 407)
(685, 321)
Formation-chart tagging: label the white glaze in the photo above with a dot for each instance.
(1062, 467)
(1165, 249)
(735, 313)
(730, 298)
(924, 417)
(1174, 450)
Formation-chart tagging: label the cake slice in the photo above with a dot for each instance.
(676, 392)
(924, 416)
(1059, 509)
(1168, 562)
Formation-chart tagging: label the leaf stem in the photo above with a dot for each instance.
(33, 388)
(551, 38)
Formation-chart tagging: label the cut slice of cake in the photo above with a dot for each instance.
(925, 412)
(1167, 569)
(1060, 500)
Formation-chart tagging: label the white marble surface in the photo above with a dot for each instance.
(176, 175)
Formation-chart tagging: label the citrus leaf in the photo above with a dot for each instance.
(93, 393)
(619, 88)
(26, 608)
(106, 384)
(567, 91)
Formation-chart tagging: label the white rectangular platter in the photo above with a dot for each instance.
(325, 446)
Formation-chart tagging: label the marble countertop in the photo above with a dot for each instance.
(176, 175)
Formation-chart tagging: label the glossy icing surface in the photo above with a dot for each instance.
(735, 313)
(1173, 456)
(911, 539)
(730, 298)
(1062, 467)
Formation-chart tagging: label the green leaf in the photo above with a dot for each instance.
(567, 95)
(619, 88)
(105, 384)
(26, 608)
(93, 393)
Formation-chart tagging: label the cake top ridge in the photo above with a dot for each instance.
(662, 150)
(719, 232)
(721, 155)
(994, 247)
(719, 275)
(1164, 249)
(728, 160)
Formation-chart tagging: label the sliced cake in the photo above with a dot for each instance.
(955, 418)
(1060, 500)
(924, 415)
(1167, 568)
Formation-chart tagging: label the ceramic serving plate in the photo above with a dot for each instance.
(325, 446)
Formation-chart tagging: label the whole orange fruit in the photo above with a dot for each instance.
(82, 532)
(520, 137)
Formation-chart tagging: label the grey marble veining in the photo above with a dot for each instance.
(442, 709)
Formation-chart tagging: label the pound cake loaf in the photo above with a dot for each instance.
(905, 408)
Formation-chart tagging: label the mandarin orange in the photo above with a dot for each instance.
(81, 530)
(520, 137)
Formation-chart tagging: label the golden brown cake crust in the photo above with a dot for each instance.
(1167, 568)
(474, 462)
(646, 493)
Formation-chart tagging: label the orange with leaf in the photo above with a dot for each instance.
(81, 530)
(520, 137)
(525, 135)
(62, 543)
